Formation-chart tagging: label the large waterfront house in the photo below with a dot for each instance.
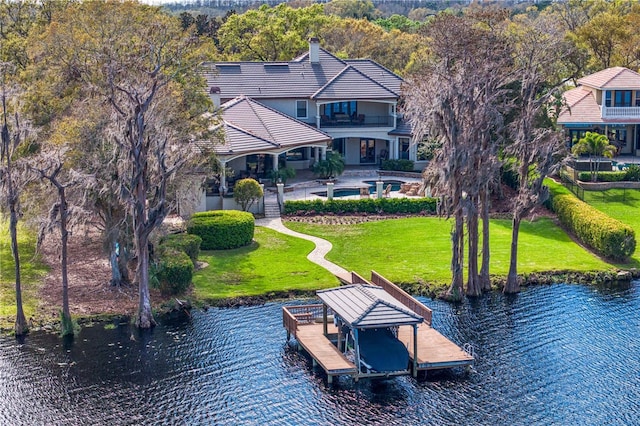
(290, 114)
(606, 102)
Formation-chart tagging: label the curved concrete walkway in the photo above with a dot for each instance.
(317, 255)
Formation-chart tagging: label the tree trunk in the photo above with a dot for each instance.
(145, 315)
(473, 280)
(485, 280)
(21, 327)
(513, 283)
(457, 239)
(66, 326)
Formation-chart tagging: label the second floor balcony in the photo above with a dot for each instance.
(358, 120)
(621, 112)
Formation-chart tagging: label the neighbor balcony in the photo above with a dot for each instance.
(360, 120)
(621, 112)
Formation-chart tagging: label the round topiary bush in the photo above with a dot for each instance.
(188, 243)
(175, 271)
(222, 229)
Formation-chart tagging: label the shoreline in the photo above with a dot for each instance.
(177, 306)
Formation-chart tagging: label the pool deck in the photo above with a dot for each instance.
(303, 186)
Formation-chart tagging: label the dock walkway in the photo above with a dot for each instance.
(434, 350)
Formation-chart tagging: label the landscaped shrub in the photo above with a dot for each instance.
(367, 205)
(609, 237)
(397, 165)
(222, 229)
(632, 173)
(188, 243)
(246, 192)
(174, 271)
(604, 176)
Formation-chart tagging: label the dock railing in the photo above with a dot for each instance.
(293, 316)
(402, 296)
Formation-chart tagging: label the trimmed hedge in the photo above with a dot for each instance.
(607, 236)
(603, 176)
(175, 271)
(367, 205)
(222, 229)
(188, 243)
(397, 165)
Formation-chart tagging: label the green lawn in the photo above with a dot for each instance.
(419, 249)
(273, 263)
(621, 204)
(32, 272)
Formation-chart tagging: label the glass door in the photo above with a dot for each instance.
(367, 151)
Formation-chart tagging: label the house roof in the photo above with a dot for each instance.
(352, 84)
(250, 127)
(613, 78)
(368, 306)
(330, 77)
(581, 107)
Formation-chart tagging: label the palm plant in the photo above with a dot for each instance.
(331, 167)
(597, 146)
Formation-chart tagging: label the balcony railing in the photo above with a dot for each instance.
(620, 112)
(360, 121)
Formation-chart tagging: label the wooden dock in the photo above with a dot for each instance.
(309, 326)
(434, 350)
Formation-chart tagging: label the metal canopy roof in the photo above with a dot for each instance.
(368, 306)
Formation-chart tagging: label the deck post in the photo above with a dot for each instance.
(415, 350)
(288, 335)
(324, 320)
(357, 347)
(329, 379)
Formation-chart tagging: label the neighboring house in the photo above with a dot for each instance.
(606, 102)
(352, 101)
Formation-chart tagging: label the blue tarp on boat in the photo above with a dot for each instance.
(381, 351)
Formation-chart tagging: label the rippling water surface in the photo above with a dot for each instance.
(562, 354)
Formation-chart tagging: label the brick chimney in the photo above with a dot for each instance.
(314, 50)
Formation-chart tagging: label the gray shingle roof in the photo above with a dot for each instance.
(251, 127)
(353, 84)
(368, 306)
(300, 79)
(403, 128)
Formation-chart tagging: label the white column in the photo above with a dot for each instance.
(318, 115)
(316, 153)
(395, 115)
(329, 191)
(323, 153)
(223, 178)
(275, 161)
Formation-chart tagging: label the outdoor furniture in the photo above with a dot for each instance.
(364, 192)
(386, 191)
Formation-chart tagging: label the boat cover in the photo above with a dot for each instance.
(381, 351)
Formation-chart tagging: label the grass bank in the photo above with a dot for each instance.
(273, 265)
(32, 272)
(418, 249)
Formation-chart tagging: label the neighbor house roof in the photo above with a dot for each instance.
(250, 127)
(329, 78)
(580, 107)
(612, 78)
(368, 306)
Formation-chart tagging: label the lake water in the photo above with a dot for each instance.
(561, 354)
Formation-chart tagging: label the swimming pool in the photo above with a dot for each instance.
(340, 192)
(395, 184)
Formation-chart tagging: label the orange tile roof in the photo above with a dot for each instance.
(581, 107)
(613, 78)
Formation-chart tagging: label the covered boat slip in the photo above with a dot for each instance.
(367, 330)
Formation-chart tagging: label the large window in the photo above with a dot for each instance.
(301, 109)
(623, 98)
(348, 108)
(337, 145)
(607, 98)
(404, 148)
